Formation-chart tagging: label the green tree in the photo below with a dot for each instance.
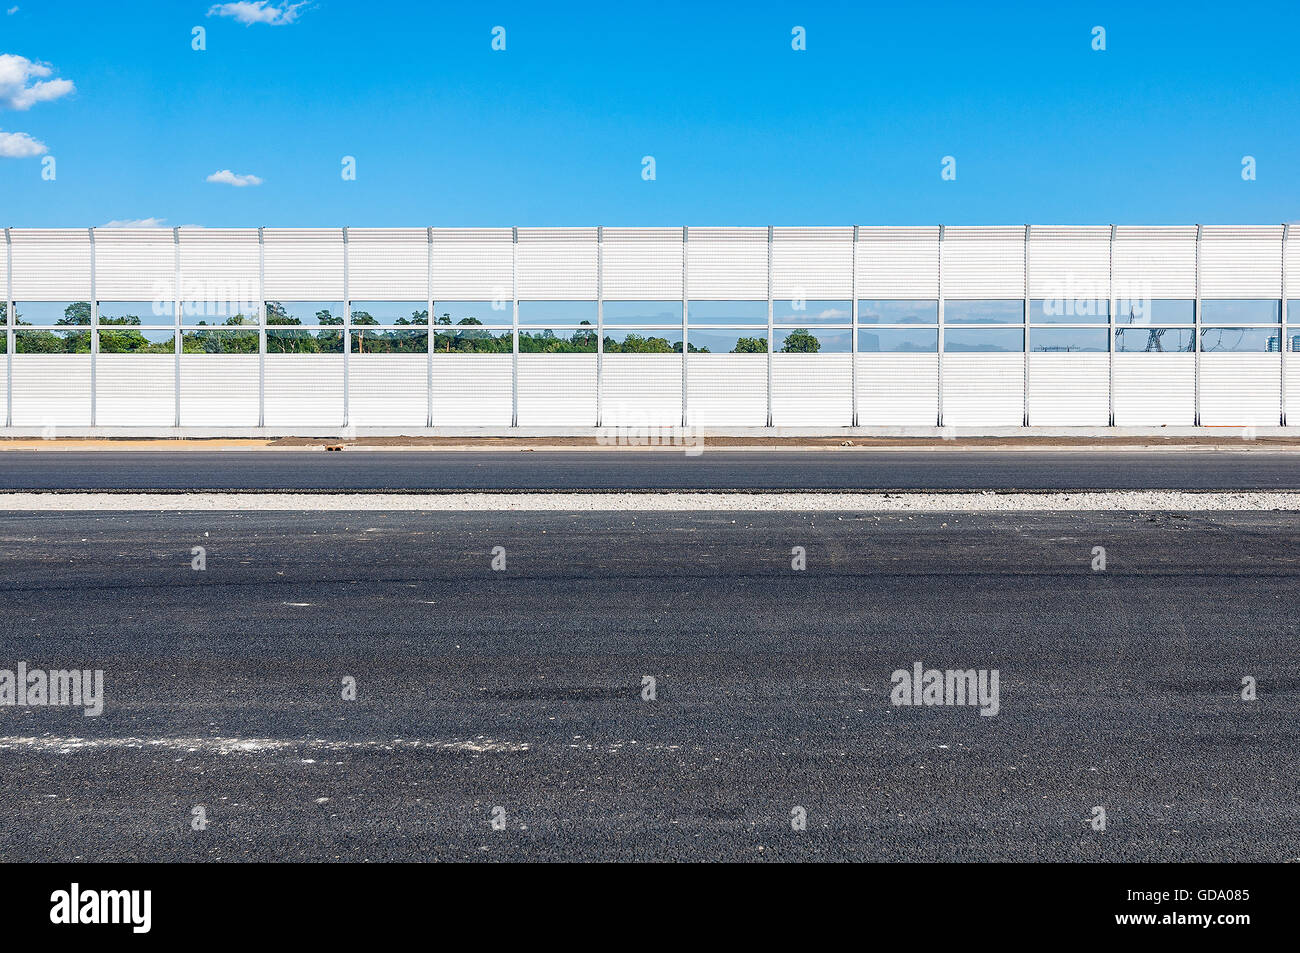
(799, 341)
(750, 346)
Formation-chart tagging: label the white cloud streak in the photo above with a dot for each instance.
(249, 12)
(23, 83)
(226, 177)
(19, 145)
(134, 223)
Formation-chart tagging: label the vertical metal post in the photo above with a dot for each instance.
(1283, 341)
(686, 329)
(514, 325)
(770, 335)
(428, 384)
(853, 289)
(176, 309)
(261, 327)
(600, 324)
(1024, 420)
(939, 362)
(1112, 307)
(1196, 334)
(10, 339)
(94, 330)
(347, 332)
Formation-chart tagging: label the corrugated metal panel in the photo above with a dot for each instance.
(642, 264)
(1155, 261)
(135, 264)
(304, 264)
(388, 264)
(812, 390)
(1069, 261)
(220, 265)
(388, 390)
(812, 263)
(1293, 270)
(898, 262)
(981, 262)
(473, 264)
(1241, 390)
(4, 269)
(51, 264)
(558, 264)
(304, 390)
(726, 390)
(1155, 390)
(557, 390)
(641, 390)
(219, 390)
(983, 390)
(472, 390)
(727, 264)
(1069, 390)
(51, 390)
(1241, 261)
(898, 389)
(1293, 390)
(135, 390)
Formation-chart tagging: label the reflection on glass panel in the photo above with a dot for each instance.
(551, 341)
(815, 341)
(137, 312)
(222, 310)
(1154, 340)
(1155, 311)
(1230, 340)
(643, 313)
(473, 341)
(492, 313)
(304, 342)
(304, 313)
(51, 313)
(557, 313)
(727, 312)
(131, 340)
(899, 341)
(1069, 311)
(219, 342)
(390, 312)
(705, 341)
(805, 313)
(390, 342)
(1070, 339)
(52, 342)
(897, 312)
(643, 342)
(1240, 311)
(201, 320)
(980, 340)
(1008, 311)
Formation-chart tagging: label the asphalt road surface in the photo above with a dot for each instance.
(642, 470)
(521, 689)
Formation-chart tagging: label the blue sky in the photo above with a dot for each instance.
(744, 130)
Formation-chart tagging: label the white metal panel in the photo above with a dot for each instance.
(135, 264)
(898, 389)
(641, 390)
(472, 390)
(983, 390)
(51, 390)
(727, 264)
(812, 390)
(220, 265)
(1155, 261)
(1241, 390)
(1293, 389)
(388, 390)
(557, 390)
(726, 390)
(557, 264)
(4, 270)
(1241, 261)
(304, 264)
(219, 390)
(473, 264)
(900, 263)
(812, 263)
(642, 264)
(304, 390)
(1155, 390)
(983, 262)
(1069, 390)
(388, 264)
(1069, 261)
(135, 390)
(51, 264)
(1293, 269)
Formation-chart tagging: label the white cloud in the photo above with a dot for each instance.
(835, 313)
(249, 12)
(19, 145)
(226, 177)
(11, 11)
(134, 223)
(17, 89)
